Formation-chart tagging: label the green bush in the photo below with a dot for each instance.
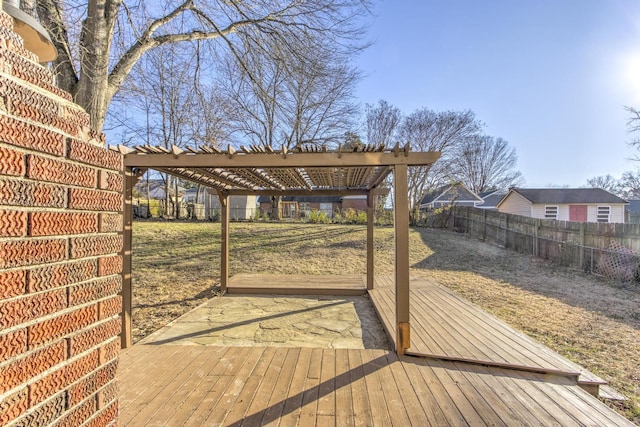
(351, 216)
(318, 217)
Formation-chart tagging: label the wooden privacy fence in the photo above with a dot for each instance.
(600, 248)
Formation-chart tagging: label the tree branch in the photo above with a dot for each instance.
(51, 19)
(145, 42)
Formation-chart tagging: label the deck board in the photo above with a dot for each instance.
(446, 326)
(253, 386)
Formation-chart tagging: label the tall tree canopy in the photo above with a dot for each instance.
(428, 130)
(605, 182)
(99, 42)
(284, 100)
(382, 122)
(484, 163)
(634, 124)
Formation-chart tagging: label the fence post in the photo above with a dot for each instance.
(484, 225)
(581, 241)
(506, 231)
(535, 237)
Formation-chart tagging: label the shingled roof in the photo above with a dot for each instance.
(451, 193)
(567, 195)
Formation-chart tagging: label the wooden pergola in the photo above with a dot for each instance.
(308, 171)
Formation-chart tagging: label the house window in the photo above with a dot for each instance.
(305, 207)
(327, 208)
(604, 212)
(550, 212)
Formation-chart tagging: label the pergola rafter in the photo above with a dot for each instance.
(310, 170)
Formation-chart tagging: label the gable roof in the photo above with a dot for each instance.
(451, 193)
(485, 194)
(562, 196)
(492, 199)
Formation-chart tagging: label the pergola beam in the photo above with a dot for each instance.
(313, 192)
(265, 160)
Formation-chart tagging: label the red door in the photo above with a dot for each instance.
(578, 213)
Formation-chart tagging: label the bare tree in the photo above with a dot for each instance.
(99, 42)
(286, 101)
(427, 130)
(629, 185)
(606, 182)
(482, 163)
(634, 124)
(159, 106)
(383, 121)
(352, 141)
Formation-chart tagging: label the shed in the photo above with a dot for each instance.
(565, 204)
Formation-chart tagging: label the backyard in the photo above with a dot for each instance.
(586, 319)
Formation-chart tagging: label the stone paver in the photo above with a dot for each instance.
(267, 320)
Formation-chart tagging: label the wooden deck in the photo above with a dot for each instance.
(344, 285)
(478, 372)
(177, 385)
(446, 326)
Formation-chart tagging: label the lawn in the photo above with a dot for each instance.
(594, 323)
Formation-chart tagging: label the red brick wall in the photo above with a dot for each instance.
(359, 204)
(60, 244)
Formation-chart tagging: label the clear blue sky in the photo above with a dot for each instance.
(552, 77)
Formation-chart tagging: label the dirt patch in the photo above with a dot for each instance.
(590, 321)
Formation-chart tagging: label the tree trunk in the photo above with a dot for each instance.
(92, 90)
(167, 198)
(176, 207)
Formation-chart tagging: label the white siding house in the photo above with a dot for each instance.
(240, 207)
(565, 204)
(516, 204)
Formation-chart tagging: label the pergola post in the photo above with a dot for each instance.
(401, 229)
(126, 293)
(370, 254)
(224, 240)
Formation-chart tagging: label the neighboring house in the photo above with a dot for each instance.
(189, 195)
(634, 207)
(156, 189)
(565, 204)
(240, 207)
(633, 212)
(357, 203)
(456, 194)
(491, 199)
(301, 206)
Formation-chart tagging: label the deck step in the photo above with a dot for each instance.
(248, 290)
(282, 284)
(609, 393)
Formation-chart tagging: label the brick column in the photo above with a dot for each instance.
(60, 244)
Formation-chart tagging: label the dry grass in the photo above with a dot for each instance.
(594, 323)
